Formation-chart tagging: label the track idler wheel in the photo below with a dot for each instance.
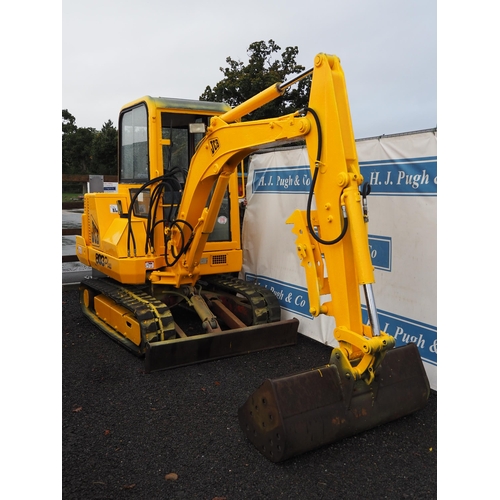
(291, 415)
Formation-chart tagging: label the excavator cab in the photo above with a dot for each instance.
(164, 146)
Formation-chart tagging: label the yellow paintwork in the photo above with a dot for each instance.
(105, 243)
(348, 262)
(334, 272)
(118, 318)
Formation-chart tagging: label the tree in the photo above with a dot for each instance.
(68, 130)
(87, 151)
(264, 69)
(68, 123)
(104, 150)
(76, 146)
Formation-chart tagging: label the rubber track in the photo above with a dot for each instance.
(152, 314)
(265, 305)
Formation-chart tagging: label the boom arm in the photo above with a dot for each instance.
(341, 234)
(336, 229)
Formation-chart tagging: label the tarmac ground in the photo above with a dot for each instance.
(175, 434)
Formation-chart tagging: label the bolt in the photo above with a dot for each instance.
(342, 179)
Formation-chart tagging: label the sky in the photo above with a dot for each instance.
(114, 51)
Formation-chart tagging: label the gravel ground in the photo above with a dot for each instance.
(175, 434)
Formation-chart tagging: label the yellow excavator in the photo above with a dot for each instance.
(168, 243)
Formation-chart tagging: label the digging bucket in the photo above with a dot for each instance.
(288, 416)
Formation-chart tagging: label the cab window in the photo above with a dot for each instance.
(182, 144)
(134, 161)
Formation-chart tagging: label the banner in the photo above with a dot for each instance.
(402, 170)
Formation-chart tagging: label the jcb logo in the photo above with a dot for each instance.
(214, 145)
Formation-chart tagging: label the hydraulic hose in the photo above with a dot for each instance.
(311, 191)
(163, 181)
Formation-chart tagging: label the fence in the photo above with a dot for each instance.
(75, 205)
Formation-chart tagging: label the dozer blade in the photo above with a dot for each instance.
(291, 415)
(198, 348)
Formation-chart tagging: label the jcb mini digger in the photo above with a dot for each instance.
(169, 240)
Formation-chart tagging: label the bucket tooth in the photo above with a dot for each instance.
(288, 416)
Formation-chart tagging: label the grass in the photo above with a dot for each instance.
(70, 197)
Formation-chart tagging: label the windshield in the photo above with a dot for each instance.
(134, 145)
